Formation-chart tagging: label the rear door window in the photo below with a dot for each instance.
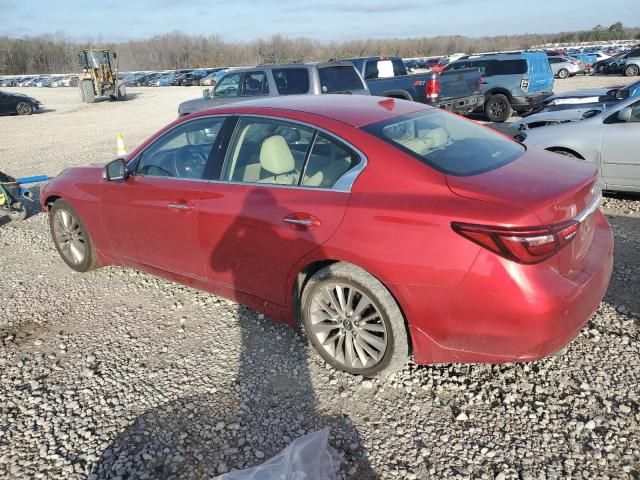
(329, 160)
(511, 67)
(291, 81)
(339, 79)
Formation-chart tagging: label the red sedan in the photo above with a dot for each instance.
(385, 227)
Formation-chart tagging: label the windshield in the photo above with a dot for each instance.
(340, 79)
(447, 142)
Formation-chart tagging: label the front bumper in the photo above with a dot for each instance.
(528, 102)
(505, 312)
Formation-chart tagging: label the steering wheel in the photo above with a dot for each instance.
(189, 162)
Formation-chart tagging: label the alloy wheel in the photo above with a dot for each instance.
(69, 236)
(23, 108)
(348, 325)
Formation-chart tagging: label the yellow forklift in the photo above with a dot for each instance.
(98, 77)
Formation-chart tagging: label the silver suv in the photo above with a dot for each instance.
(276, 80)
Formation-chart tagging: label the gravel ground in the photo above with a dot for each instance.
(118, 374)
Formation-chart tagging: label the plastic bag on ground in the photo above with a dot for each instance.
(309, 457)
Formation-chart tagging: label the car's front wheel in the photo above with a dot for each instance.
(24, 108)
(71, 237)
(353, 321)
(563, 73)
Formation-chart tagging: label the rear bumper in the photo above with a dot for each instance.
(462, 105)
(505, 312)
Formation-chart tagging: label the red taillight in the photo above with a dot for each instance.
(480, 83)
(522, 245)
(432, 88)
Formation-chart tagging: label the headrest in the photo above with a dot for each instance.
(275, 156)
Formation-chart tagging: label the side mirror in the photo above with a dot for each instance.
(115, 170)
(114, 55)
(206, 93)
(622, 94)
(624, 115)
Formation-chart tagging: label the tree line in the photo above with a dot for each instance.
(59, 54)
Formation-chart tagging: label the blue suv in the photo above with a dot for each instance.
(511, 81)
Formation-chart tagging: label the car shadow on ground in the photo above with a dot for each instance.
(262, 406)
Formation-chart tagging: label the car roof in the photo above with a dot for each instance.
(354, 110)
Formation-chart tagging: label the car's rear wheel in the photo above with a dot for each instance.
(353, 321)
(497, 108)
(563, 73)
(87, 91)
(631, 70)
(71, 237)
(24, 108)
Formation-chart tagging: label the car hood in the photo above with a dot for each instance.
(22, 95)
(191, 106)
(585, 92)
(542, 182)
(556, 116)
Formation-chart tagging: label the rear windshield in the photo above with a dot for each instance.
(339, 79)
(291, 81)
(447, 142)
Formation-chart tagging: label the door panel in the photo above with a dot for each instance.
(620, 161)
(151, 217)
(153, 221)
(246, 241)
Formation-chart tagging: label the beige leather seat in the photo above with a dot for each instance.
(276, 159)
(426, 141)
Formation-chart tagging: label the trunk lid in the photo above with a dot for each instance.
(459, 83)
(555, 188)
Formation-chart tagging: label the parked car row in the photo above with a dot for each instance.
(182, 77)
(493, 85)
(40, 81)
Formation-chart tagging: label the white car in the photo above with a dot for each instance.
(609, 138)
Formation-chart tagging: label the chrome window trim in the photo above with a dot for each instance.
(592, 207)
(344, 184)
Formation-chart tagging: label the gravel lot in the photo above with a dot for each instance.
(118, 374)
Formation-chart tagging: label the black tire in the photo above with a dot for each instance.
(563, 73)
(81, 90)
(24, 108)
(18, 211)
(631, 71)
(87, 91)
(122, 91)
(90, 260)
(497, 108)
(396, 352)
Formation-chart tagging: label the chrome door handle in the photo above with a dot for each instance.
(299, 221)
(180, 206)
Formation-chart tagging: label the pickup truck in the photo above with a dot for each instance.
(276, 80)
(388, 77)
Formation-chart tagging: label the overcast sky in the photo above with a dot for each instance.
(328, 20)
